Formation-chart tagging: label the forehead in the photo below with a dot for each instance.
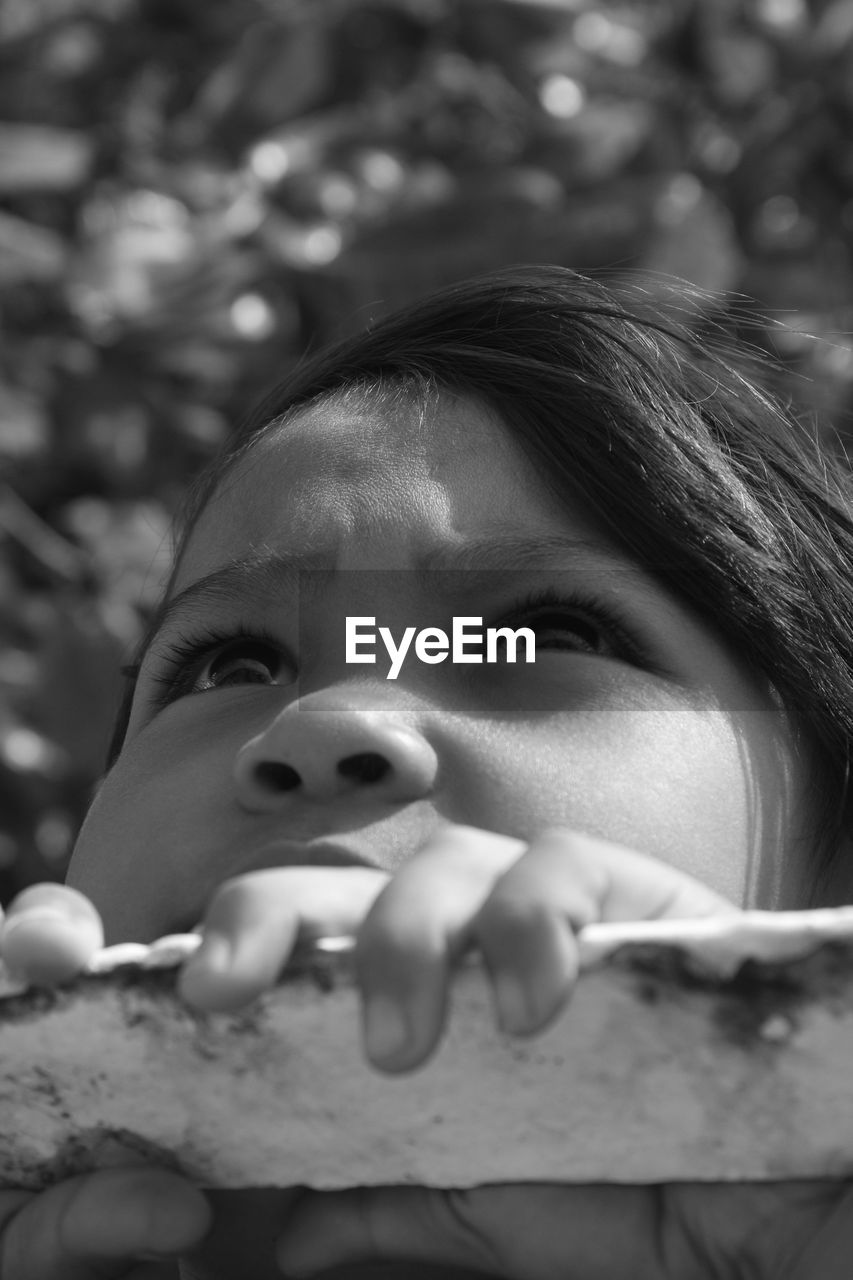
(373, 450)
(383, 474)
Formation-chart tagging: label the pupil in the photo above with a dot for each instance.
(586, 632)
(242, 668)
(246, 672)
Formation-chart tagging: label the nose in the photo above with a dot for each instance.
(322, 751)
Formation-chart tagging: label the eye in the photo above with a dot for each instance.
(241, 662)
(578, 624)
(198, 664)
(566, 629)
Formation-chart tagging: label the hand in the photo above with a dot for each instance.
(103, 1225)
(520, 904)
(689, 1231)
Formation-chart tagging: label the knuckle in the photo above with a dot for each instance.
(576, 846)
(468, 849)
(458, 832)
(585, 856)
(228, 902)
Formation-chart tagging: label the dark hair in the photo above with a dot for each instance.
(703, 476)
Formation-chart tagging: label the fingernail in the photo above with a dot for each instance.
(511, 999)
(385, 1030)
(85, 927)
(36, 915)
(51, 896)
(47, 945)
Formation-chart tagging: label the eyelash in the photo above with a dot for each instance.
(603, 615)
(186, 654)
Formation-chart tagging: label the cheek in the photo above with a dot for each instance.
(143, 852)
(704, 791)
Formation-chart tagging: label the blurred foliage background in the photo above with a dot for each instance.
(192, 192)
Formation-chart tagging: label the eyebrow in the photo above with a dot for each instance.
(266, 574)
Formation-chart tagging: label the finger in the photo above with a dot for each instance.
(824, 1249)
(91, 1227)
(254, 921)
(564, 881)
(526, 929)
(49, 934)
(531, 1232)
(769, 1230)
(640, 887)
(416, 928)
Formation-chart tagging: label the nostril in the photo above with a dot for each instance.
(368, 766)
(272, 775)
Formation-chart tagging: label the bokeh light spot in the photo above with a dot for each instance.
(322, 245)
(252, 316)
(561, 96)
(269, 161)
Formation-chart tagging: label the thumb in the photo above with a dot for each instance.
(94, 1226)
(329, 1229)
(535, 1231)
(49, 933)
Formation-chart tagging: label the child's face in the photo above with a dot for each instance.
(689, 761)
